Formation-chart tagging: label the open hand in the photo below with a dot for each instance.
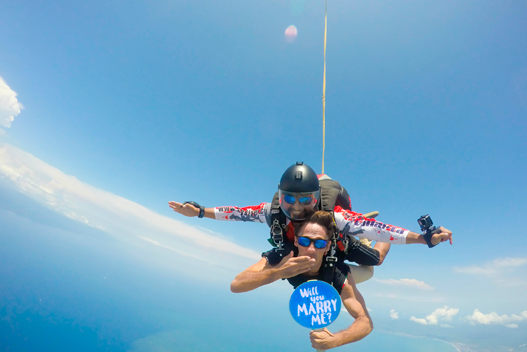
(186, 210)
(291, 266)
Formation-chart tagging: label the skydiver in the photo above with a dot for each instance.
(312, 240)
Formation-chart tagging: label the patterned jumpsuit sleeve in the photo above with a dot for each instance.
(354, 224)
(255, 213)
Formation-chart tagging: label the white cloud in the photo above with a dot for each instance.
(394, 314)
(117, 216)
(508, 262)
(491, 268)
(406, 282)
(419, 320)
(493, 318)
(10, 107)
(440, 314)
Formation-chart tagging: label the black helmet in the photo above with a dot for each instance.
(299, 191)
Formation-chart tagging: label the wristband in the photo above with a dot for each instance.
(201, 208)
(428, 236)
(428, 239)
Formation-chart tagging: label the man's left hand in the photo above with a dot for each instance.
(322, 340)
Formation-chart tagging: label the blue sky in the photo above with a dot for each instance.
(110, 110)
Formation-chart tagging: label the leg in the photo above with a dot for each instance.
(383, 249)
(361, 273)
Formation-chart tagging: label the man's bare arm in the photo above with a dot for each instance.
(361, 327)
(262, 273)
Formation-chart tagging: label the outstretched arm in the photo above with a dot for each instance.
(262, 273)
(355, 224)
(256, 213)
(361, 327)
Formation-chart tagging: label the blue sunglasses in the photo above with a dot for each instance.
(305, 242)
(304, 200)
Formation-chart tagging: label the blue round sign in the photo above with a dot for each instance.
(315, 304)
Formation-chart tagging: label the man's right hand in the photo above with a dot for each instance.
(186, 210)
(291, 266)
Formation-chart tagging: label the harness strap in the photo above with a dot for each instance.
(278, 224)
(331, 260)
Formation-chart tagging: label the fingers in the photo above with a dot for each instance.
(300, 267)
(329, 332)
(448, 232)
(321, 339)
(296, 265)
(441, 237)
(184, 209)
(315, 336)
(305, 262)
(445, 230)
(174, 205)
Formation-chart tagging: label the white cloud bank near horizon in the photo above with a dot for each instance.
(10, 107)
(494, 267)
(444, 314)
(116, 216)
(493, 318)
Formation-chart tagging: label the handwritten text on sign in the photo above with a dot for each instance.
(315, 304)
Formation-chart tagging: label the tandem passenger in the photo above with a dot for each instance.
(313, 242)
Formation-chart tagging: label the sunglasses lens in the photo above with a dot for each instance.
(304, 241)
(305, 200)
(320, 244)
(289, 199)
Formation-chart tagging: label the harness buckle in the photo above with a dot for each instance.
(331, 259)
(277, 234)
(330, 266)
